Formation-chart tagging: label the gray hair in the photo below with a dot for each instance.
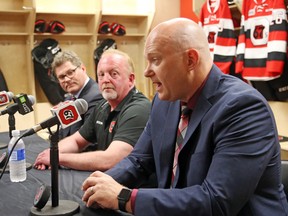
(65, 56)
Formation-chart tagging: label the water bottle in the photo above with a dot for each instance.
(17, 161)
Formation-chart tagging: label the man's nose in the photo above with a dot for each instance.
(148, 72)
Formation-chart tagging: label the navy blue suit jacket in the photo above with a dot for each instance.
(229, 163)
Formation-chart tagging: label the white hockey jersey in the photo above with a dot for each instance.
(262, 42)
(216, 20)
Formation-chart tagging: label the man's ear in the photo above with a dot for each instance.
(193, 58)
(132, 78)
(83, 67)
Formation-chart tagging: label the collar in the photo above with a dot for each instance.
(127, 98)
(79, 92)
(193, 100)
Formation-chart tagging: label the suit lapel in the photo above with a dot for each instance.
(195, 118)
(194, 121)
(86, 88)
(204, 102)
(168, 143)
(202, 106)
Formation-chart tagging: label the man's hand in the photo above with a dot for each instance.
(101, 190)
(42, 161)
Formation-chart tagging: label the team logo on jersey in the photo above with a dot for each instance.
(112, 124)
(211, 37)
(259, 8)
(211, 33)
(259, 32)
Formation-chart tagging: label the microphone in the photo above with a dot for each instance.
(23, 104)
(66, 113)
(5, 97)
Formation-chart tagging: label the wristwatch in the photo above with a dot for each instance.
(123, 198)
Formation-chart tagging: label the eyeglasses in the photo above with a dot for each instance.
(70, 74)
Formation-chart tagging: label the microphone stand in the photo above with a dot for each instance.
(11, 110)
(11, 122)
(54, 207)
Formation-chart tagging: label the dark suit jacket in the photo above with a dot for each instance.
(229, 163)
(91, 94)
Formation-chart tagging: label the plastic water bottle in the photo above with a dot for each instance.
(17, 161)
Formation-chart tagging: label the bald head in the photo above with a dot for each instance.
(177, 49)
(181, 33)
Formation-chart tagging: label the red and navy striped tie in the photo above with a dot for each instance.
(182, 128)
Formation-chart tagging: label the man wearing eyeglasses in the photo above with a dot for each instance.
(72, 77)
(115, 124)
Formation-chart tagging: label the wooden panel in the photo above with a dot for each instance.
(135, 7)
(11, 4)
(22, 122)
(12, 22)
(65, 6)
(13, 66)
(280, 110)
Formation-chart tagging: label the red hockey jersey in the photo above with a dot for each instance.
(216, 20)
(262, 42)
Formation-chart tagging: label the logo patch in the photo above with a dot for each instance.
(112, 124)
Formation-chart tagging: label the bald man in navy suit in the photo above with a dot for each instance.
(229, 161)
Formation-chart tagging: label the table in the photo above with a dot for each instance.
(16, 199)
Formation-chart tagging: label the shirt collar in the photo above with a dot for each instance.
(79, 92)
(193, 100)
(127, 97)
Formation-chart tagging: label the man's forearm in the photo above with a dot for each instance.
(68, 145)
(90, 161)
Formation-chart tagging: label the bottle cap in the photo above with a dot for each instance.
(15, 133)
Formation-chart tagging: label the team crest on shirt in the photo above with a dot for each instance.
(259, 31)
(112, 124)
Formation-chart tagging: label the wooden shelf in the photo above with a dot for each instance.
(5, 34)
(14, 12)
(45, 35)
(14, 21)
(119, 37)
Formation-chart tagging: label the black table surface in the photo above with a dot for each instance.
(17, 198)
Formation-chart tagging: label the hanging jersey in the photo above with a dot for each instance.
(262, 41)
(217, 22)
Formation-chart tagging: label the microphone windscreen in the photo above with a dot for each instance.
(5, 97)
(10, 95)
(31, 99)
(81, 105)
